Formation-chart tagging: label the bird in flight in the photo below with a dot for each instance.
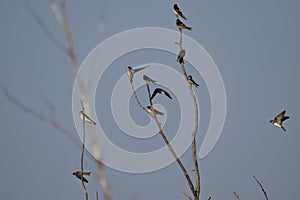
(147, 79)
(277, 121)
(178, 12)
(160, 91)
(131, 71)
(86, 118)
(80, 174)
(154, 112)
(180, 56)
(191, 81)
(181, 25)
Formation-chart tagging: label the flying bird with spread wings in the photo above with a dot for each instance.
(279, 119)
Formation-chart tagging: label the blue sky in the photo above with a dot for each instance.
(254, 44)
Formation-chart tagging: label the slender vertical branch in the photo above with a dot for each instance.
(195, 130)
(62, 18)
(262, 188)
(82, 154)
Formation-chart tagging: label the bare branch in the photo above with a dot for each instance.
(262, 188)
(165, 138)
(195, 130)
(44, 28)
(82, 154)
(186, 194)
(236, 195)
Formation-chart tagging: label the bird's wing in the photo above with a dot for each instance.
(154, 93)
(285, 118)
(168, 95)
(139, 69)
(158, 112)
(280, 116)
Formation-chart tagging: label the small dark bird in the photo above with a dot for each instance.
(277, 121)
(177, 11)
(180, 56)
(131, 71)
(160, 91)
(191, 81)
(86, 118)
(181, 25)
(147, 79)
(80, 174)
(154, 112)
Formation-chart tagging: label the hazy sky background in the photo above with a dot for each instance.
(255, 45)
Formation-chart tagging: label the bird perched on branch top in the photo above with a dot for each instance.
(80, 174)
(154, 112)
(178, 12)
(131, 71)
(86, 118)
(181, 25)
(277, 121)
(160, 91)
(147, 79)
(191, 81)
(180, 56)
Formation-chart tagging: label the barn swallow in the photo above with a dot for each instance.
(277, 121)
(181, 25)
(180, 56)
(80, 174)
(86, 118)
(131, 71)
(191, 81)
(156, 112)
(177, 11)
(160, 91)
(148, 79)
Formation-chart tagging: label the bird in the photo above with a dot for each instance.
(191, 81)
(277, 121)
(154, 112)
(80, 174)
(177, 11)
(86, 118)
(181, 25)
(160, 91)
(131, 71)
(148, 79)
(180, 56)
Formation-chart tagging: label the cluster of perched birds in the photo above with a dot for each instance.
(277, 121)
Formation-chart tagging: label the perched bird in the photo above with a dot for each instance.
(86, 118)
(160, 91)
(277, 121)
(181, 25)
(154, 112)
(148, 79)
(177, 11)
(191, 81)
(131, 71)
(80, 174)
(180, 56)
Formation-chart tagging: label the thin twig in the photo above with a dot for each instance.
(44, 28)
(195, 130)
(262, 188)
(236, 195)
(186, 194)
(82, 154)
